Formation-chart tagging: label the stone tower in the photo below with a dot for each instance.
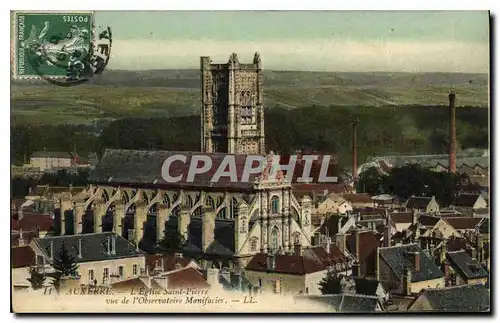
(232, 111)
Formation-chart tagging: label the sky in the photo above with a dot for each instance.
(351, 41)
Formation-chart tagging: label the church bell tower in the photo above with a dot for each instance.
(232, 111)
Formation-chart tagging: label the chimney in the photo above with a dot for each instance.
(113, 245)
(354, 153)
(453, 140)
(356, 269)
(339, 225)
(207, 231)
(108, 245)
(387, 236)
(356, 244)
(21, 238)
(213, 277)
(51, 250)
(407, 282)
(414, 259)
(415, 217)
(79, 248)
(446, 268)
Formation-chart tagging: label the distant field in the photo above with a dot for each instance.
(176, 93)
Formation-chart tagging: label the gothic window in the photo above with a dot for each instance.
(153, 210)
(176, 211)
(209, 203)
(166, 200)
(243, 225)
(296, 238)
(275, 239)
(253, 244)
(189, 201)
(233, 212)
(198, 212)
(222, 213)
(275, 204)
(145, 197)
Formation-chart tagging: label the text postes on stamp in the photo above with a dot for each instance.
(51, 44)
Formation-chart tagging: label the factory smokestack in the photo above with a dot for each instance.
(452, 167)
(354, 152)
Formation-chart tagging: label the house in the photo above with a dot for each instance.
(442, 230)
(467, 271)
(99, 255)
(401, 220)
(158, 264)
(465, 298)
(187, 277)
(423, 204)
(362, 245)
(45, 160)
(333, 204)
(42, 224)
(371, 287)
(342, 303)
(406, 269)
(299, 273)
(359, 200)
(468, 202)
(23, 258)
(337, 224)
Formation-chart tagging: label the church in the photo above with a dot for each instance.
(223, 220)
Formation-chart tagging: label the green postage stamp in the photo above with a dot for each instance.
(49, 44)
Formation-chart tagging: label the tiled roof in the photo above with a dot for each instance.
(34, 221)
(485, 226)
(169, 262)
(466, 200)
(223, 243)
(335, 256)
(135, 283)
(466, 266)
(463, 223)
(51, 154)
(286, 264)
(186, 278)
(368, 243)
(23, 257)
(398, 260)
(428, 220)
(346, 303)
(456, 244)
(27, 237)
(122, 166)
(366, 286)
(401, 217)
(464, 298)
(94, 246)
(331, 224)
(418, 202)
(358, 198)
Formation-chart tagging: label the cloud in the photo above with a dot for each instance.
(320, 55)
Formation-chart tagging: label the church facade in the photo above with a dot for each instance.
(220, 220)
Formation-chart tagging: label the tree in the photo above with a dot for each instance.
(172, 242)
(330, 284)
(64, 265)
(36, 278)
(371, 181)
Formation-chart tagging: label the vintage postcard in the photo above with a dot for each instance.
(250, 161)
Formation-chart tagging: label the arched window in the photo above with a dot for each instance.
(189, 201)
(275, 239)
(210, 203)
(198, 212)
(166, 200)
(275, 204)
(233, 212)
(176, 211)
(153, 210)
(145, 197)
(243, 225)
(222, 213)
